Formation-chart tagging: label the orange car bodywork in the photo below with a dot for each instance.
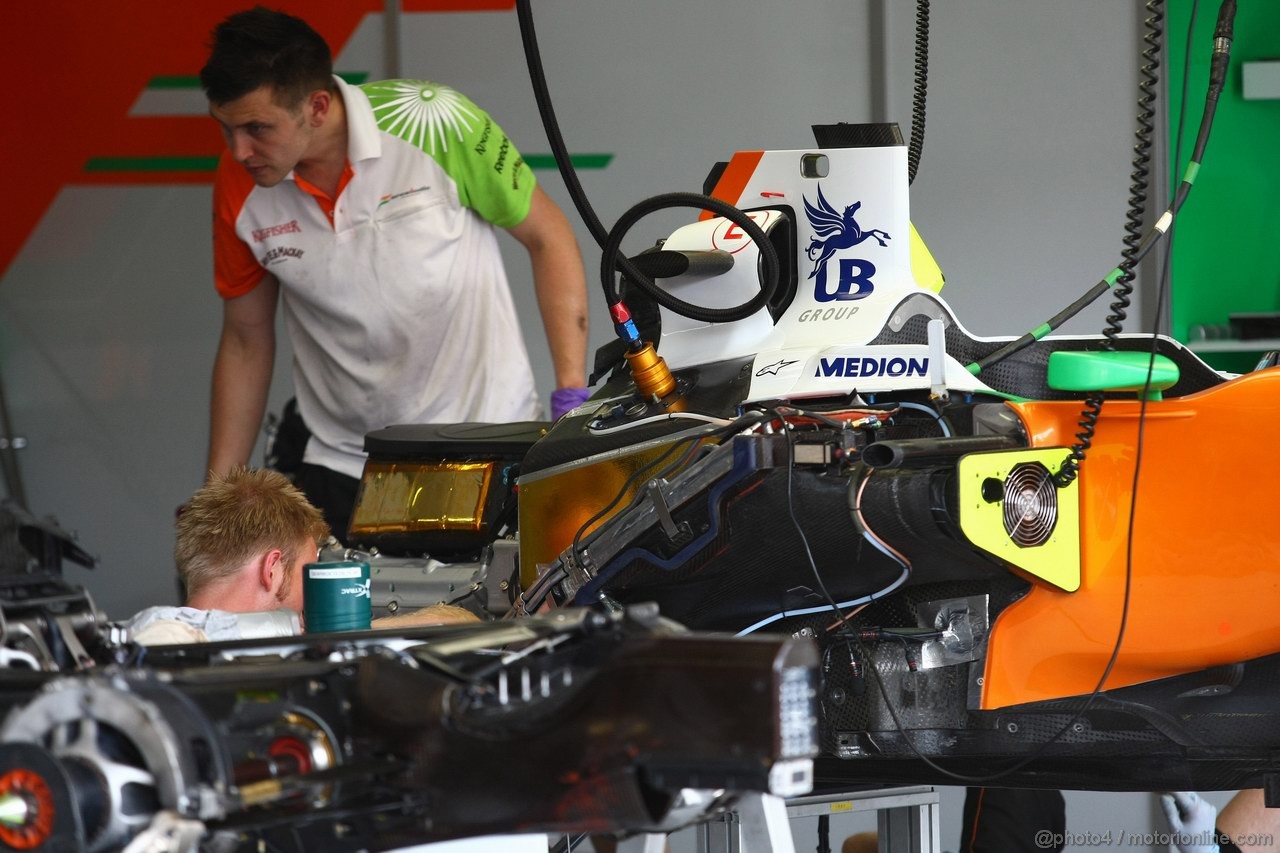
(1205, 550)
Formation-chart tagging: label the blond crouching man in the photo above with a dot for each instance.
(241, 544)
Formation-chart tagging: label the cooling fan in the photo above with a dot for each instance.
(1030, 504)
(1010, 507)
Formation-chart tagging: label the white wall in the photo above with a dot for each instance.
(1023, 186)
(108, 321)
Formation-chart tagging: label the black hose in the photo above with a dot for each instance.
(929, 452)
(921, 90)
(768, 255)
(533, 58)
(669, 263)
(611, 258)
(9, 454)
(824, 833)
(1133, 239)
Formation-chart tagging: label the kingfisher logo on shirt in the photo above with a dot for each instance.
(290, 227)
(280, 253)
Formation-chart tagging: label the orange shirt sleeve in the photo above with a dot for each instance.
(235, 270)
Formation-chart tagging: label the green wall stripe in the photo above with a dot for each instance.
(208, 164)
(580, 161)
(151, 164)
(174, 81)
(190, 81)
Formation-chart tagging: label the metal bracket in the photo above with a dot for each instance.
(675, 533)
(908, 821)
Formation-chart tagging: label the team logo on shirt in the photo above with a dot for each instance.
(424, 114)
(280, 253)
(290, 227)
(397, 196)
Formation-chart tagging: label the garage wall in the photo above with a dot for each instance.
(108, 321)
(1227, 260)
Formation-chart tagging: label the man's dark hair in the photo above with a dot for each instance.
(263, 47)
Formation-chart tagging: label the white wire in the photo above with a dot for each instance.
(840, 605)
(875, 541)
(946, 430)
(653, 419)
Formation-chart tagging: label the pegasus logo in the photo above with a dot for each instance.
(834, 231)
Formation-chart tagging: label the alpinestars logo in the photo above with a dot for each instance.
(772, 369)
(835, 231)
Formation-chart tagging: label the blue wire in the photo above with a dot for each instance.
(946, 430)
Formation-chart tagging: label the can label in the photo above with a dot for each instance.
(335, 574)
(337, 596)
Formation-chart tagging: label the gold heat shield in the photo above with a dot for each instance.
(414, 497)
(554, 507)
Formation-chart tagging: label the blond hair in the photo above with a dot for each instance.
(237, 516)
(432, 614)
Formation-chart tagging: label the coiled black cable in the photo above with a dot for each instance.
(1134, 234)
(920, 90)
(768, 256)
(1218, 66)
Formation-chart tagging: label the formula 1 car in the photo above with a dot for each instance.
(1033, 561)
(845, 461)
(560, 724)
(574, 722)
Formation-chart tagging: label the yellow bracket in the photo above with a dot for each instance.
(924, 269)
(1057, 561)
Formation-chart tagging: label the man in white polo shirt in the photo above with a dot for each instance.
(369, 212)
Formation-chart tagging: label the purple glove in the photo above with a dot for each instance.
(566, 399)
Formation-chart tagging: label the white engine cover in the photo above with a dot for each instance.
(854, 269)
